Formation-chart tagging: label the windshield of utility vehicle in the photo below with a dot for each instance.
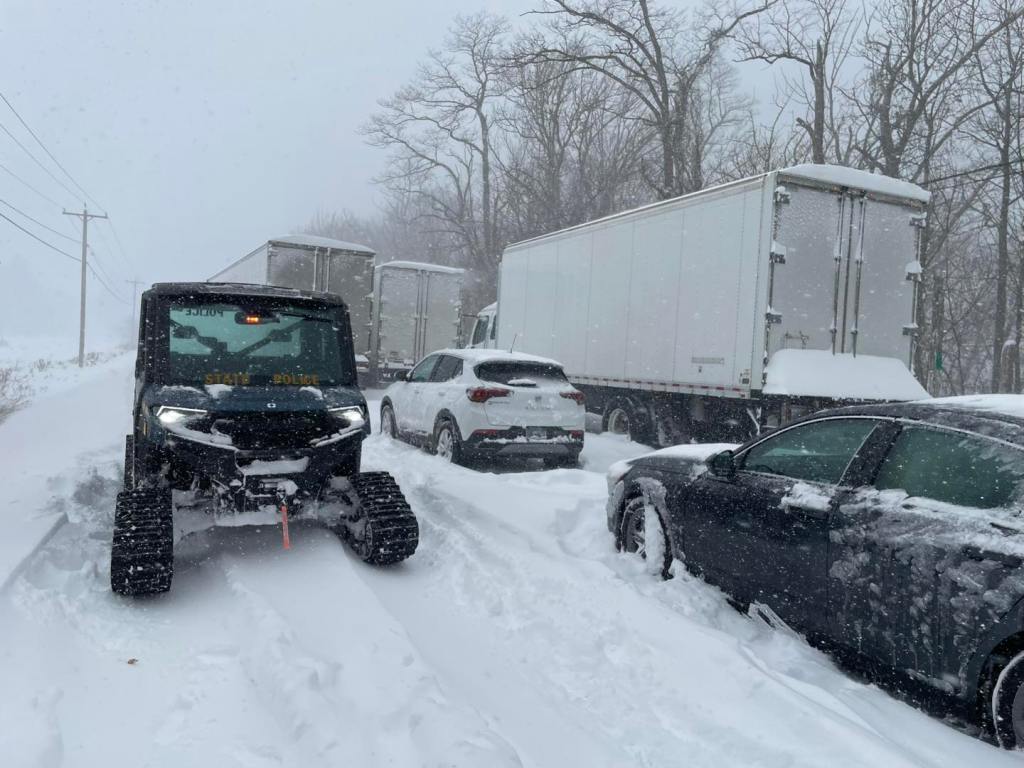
(238, 344)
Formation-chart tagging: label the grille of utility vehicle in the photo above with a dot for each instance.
(269, 431)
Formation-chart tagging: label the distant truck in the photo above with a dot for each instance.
(417, 309)
(400, 311)
(719, 313)
(312, 263)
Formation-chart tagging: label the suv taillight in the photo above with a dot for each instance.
(483, 394)
(576, 395)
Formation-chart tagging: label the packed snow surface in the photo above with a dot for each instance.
(516, 635)
(820, 373)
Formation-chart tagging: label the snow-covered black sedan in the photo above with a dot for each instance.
(894, 532)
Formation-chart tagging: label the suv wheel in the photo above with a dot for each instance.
(388, 425)
(447, 444)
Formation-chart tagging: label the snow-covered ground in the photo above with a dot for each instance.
(515, 636)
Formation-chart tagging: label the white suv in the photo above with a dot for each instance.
(465, 404)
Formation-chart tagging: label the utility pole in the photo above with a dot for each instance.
(84, 216)
(135, 287)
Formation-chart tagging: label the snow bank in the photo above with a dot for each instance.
(819, 373)
(88, 416)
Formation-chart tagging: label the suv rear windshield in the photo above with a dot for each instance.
(261, 343)
(513, 373)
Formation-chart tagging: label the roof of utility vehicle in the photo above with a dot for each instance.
(242, 289)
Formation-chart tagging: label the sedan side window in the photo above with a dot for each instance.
(421, 372)
(818, 451)
(953, 468)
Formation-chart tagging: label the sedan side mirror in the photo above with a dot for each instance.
(722, 464)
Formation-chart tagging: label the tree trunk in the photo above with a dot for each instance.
(1002, 247)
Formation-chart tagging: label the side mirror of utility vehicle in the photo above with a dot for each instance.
(402, 376)
(722, 464)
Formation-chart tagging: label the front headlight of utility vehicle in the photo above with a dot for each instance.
(350, 416)
(168, 415)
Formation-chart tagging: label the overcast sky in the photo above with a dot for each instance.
(202, 127)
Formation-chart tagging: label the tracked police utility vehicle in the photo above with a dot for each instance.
(247, 410)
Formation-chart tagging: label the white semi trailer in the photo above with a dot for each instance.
(718, 313)
(417, 308)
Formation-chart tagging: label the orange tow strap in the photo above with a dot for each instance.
(284, 526)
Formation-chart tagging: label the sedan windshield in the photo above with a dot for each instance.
(257, 344)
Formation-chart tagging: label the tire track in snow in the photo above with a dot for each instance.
(579, 622)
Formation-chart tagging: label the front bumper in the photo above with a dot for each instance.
(533, 442)
(253, 471)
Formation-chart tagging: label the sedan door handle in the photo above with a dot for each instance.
(816, 514)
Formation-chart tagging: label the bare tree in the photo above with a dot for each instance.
(816, 35)
(642, 48)
(440, 131)
(1000, 72)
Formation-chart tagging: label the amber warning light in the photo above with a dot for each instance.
(254, 318)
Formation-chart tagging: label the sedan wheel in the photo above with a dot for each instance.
(1008, 704)
(643, 533)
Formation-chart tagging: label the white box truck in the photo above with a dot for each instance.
(313, 263)
(715, 314)
(417, 308)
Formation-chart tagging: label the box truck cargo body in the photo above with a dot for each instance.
(417, 308)
(717, 313)
(314, 264)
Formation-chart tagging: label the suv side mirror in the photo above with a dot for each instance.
(722, 464)
(402, 376)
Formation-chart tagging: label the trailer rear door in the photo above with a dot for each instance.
(838, 281)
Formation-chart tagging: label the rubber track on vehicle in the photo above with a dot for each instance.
(142, 552)
(391, 533)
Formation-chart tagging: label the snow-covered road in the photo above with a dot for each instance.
(515, 636)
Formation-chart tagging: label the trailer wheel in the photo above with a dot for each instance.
(623, 416)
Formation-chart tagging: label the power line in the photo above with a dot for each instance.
(36, 237)
(105, 285)
(970, 171)
(37, 222)
(36, 160)
(117, 239)
(47, 151)
(66, 172)
(7, 170)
